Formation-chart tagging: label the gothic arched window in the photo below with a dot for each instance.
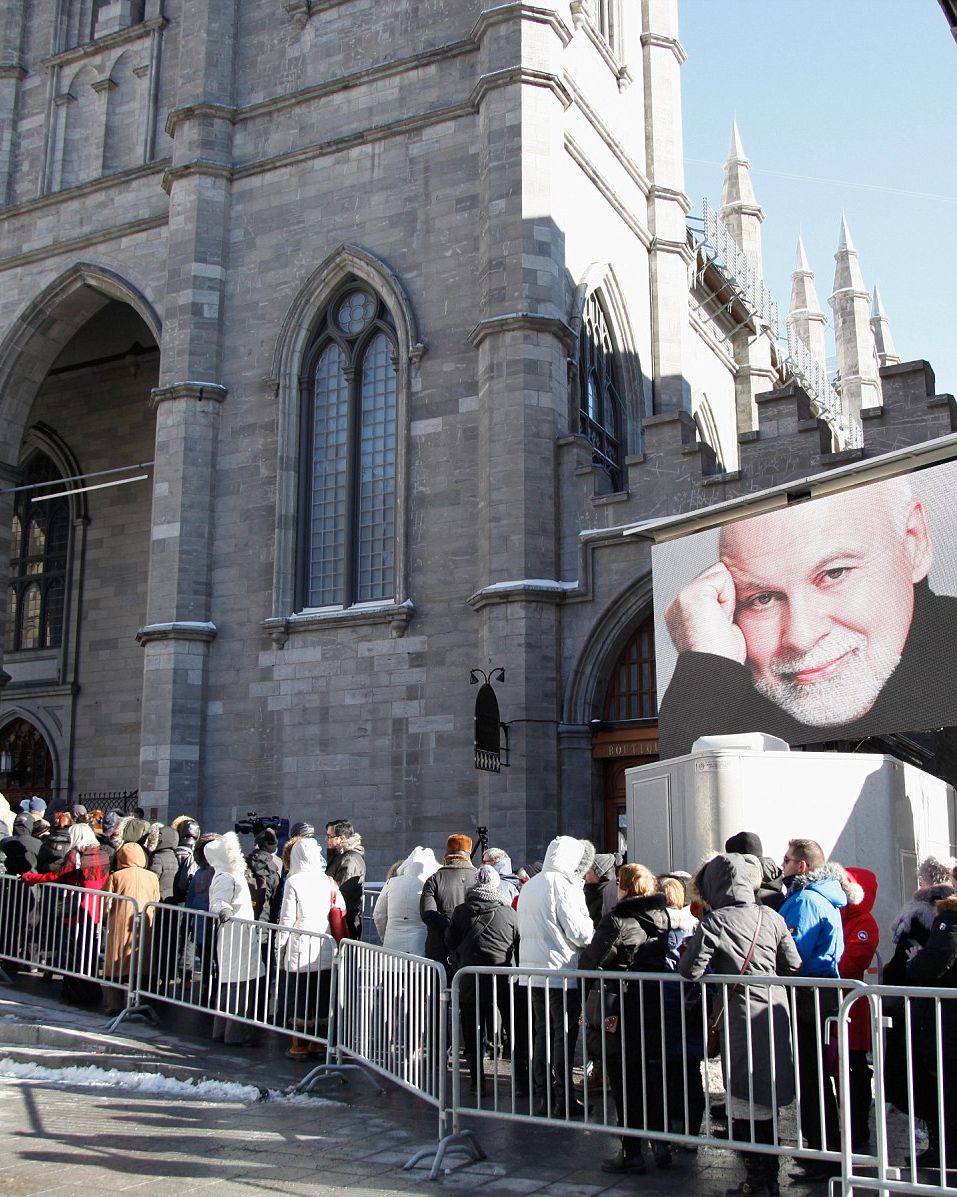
(600, 399)
(348, 464)
(606, 18)
(631, 692)
(39, 549)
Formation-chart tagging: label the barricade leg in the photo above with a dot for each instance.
(452, 1140)
(134, 1008)
(334, 1069)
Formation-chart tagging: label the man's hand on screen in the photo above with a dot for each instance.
(701, 618)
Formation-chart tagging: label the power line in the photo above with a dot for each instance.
(783, 174)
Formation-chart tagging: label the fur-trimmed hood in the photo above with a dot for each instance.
(830, 870)
(947, 904)
(570, 856)
(352, 843)
(225, 854)
(681, 918)
(921, 909)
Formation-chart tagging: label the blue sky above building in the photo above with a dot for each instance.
(844, 107)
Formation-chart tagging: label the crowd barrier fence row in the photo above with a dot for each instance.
(619, 1053)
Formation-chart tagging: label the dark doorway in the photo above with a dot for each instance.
(26, 766)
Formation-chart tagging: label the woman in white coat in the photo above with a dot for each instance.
(396, 913)
(237, 944)
(305, 947)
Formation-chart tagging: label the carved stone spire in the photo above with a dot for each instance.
(805, 316)
(858, 383)
(887, 354)
(740, 212)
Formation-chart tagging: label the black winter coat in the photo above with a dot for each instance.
(21, 850)
(266, 874)
(53, 850)
(482, 931)
(347, 868)
(165, 863)
(441, 893)
(935, 966)
(633, 938)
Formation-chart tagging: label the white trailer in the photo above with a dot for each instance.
(868, 810)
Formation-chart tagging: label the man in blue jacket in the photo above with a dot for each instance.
(812, 911)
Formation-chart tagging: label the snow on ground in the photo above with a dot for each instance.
(149, 1083)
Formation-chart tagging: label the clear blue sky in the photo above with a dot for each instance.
(843, 106)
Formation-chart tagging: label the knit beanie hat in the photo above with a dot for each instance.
(135, 830)
(110, 821)
(745, 843)
(267, 840)
(603, 865)
(488, 885)
(458, 845)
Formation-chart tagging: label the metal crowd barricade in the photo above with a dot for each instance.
(370, 895)
(391, 1018)
(914, 1054)
(252, 973)
(86, 935)
(624, 1053)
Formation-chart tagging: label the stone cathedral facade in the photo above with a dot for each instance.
(339, 341)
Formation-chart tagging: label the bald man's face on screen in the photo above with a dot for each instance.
(817, 600)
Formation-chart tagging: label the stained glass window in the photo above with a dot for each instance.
(601, 414)
(349, 442)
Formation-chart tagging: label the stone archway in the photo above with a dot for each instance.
(27, 766)
(77, 370)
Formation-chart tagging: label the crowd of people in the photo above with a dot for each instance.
(741, 915)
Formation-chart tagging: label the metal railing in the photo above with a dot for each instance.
(618, 1053)
(826, 403)
(243, 973)
(914, 1056)
(623, 1053)
(724, 252)
(86, 935)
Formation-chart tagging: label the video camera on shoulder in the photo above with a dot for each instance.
(255, 825)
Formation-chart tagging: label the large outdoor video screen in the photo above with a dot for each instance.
(834, 618)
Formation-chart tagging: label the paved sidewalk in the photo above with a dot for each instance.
(69, 1140)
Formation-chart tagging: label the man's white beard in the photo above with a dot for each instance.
(846, 696)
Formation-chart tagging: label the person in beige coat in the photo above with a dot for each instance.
(132, 879)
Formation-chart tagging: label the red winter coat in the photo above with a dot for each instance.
(861, 937)
(89, 869)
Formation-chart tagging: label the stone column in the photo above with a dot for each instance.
(669, 257)
(522, 344)
(12, 75)
(188, 401)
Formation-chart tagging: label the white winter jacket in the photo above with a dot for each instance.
(553, 920)
(396, 913)
(237, 944)
(308, 897)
